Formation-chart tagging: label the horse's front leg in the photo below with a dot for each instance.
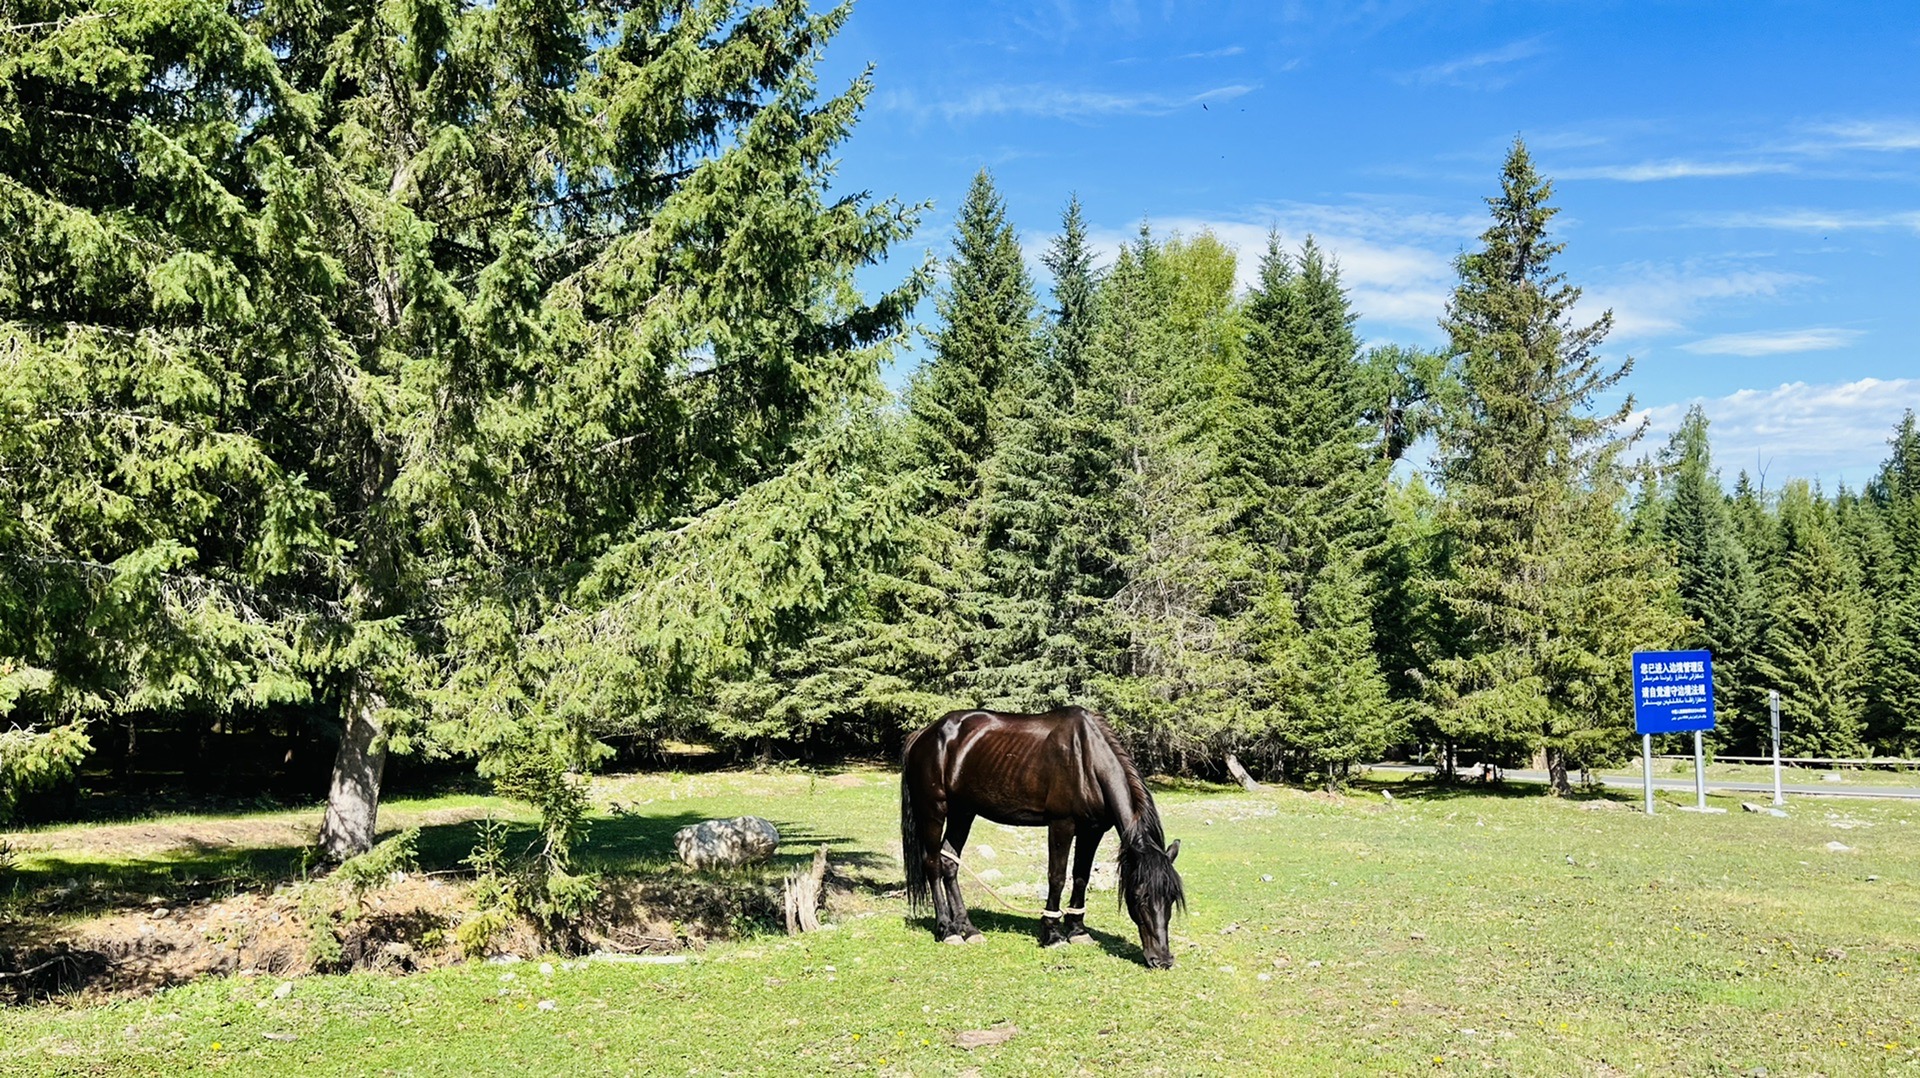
(961, 927)
(1086, 844)
(1059, 839)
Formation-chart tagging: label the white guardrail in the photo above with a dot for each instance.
(1888, 762)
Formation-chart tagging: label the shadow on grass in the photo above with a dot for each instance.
(1431, 788)
(62, 884)
(1028, 925)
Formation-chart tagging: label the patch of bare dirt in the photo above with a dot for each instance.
(152, 838)
(404, 926)
(408, 925)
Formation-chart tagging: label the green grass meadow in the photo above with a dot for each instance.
(1448, 930)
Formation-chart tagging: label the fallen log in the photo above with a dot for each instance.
(1239, 773)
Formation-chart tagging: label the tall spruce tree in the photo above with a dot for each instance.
(1718, 590)
(1167, 339)
(451, 364)
(1549, 596)
(1041, 580)
(1893, 661)
(1303, 460)
(1814, 649)
(1083, 564)
(984, 349)
(984, 352)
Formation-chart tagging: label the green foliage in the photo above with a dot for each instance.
(32, 760)
(494, 376)
(1038, 577)
(364, 872)
(320, 909)
(404, 355)
(1547, 593)
(1050, 560)
(1160, 360)
(1893, 657)
(1817, 631)
(1717, 588)
(1342, 716)
(1408, 390)
(983, 350)
(1306, 465)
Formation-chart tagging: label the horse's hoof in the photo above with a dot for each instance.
(954, 939)
(1080, 937)
(976, 938)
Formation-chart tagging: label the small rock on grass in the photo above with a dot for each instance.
(984, 1038)
(1839, 847)
(285, 990)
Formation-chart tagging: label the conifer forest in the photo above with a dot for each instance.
(505, 388)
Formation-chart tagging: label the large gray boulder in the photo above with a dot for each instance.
(743, 840)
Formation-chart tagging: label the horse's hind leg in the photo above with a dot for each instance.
(932, 823)
(958, 824)
(1086, 844)
(1059, 839)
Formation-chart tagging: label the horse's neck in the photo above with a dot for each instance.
(1127, 800)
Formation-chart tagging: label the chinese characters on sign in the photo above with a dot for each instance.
(1672, 691)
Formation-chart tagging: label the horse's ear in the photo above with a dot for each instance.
(1173, 851)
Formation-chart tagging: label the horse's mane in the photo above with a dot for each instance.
(1146, 823)
(1145, 869)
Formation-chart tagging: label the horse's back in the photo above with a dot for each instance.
(1009, 767)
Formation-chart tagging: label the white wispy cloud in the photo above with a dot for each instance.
(1057, 102)
(1812, 220)
(1480, 68)
(1655, 300)
(1836, 432)
(1215, 54)
(1774, 342)
(1651, 171)
(1880, 135)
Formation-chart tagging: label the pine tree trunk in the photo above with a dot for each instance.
(1557, 773)
(353, 800)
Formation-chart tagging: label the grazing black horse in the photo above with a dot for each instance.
(1065, 771)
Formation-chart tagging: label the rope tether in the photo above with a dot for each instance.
(948, 853)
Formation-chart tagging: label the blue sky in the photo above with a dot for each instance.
(1739, 182)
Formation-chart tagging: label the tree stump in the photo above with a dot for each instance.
(1239, 773)
(803, 895)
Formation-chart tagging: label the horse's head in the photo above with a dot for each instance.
(1152, 889)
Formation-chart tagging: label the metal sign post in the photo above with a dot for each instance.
(1646, 762)
(1673, 694)
(1699, 775)
(1773, 705)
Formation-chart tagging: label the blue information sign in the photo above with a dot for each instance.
(1672, 691)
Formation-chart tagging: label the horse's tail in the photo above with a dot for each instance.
(912, 854)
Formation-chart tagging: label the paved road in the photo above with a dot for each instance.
(1823, 789)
